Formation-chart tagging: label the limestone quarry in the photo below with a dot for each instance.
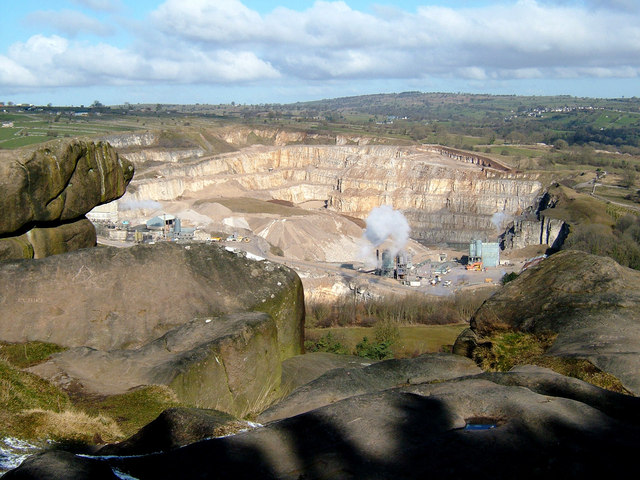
(226, 182)
(444, 199)
(222, 327)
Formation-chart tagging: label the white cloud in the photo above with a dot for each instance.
(223, 41)
(332, 40)
(224, 21)
(69, 22)
(12, 73)
(100, 5)
(54, 61)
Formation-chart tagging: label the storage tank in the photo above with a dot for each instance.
(388, 266)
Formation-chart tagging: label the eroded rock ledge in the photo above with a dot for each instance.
(109, 298)
(45, 194)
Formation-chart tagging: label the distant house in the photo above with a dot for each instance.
(7, 124)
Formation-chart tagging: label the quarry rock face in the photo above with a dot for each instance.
(46, 193)
(444, 199)
(533, 227)
(470, 427)
(109, 298)
(591, 302)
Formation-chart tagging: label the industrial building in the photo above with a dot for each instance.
(105, 213)
(395, 266)
(486, 253)
(170, 227)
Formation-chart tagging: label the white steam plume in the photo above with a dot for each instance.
(499, 219)
(139, 204)
(385, 222)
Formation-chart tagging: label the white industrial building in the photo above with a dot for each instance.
(104, 213)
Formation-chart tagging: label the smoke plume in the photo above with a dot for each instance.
(499, 219)
(139, 204)
(385, 222)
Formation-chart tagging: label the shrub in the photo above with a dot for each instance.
(508, 277)
(326, 343)
(374, 350)
(503, 351)
(386, 331)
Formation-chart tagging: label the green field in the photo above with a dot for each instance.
(414, 339)
(34, 128)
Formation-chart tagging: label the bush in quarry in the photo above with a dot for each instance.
(386, 334)
(508, 277)
(386, 331)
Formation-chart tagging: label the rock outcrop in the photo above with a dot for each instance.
(302, 369)
(535, 226)
(174, 428)
(42, 241)
(591, 302)
(153, 315)
(230, 363)
(109, 298)
(347, 382)
(470, 427)
(46, 193)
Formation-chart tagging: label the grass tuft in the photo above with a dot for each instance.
(24, 355)
(131, 410)
(503, 351)
(68, 426)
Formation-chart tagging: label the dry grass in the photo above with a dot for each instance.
(68, 425)
(131, 410)
(23, 355)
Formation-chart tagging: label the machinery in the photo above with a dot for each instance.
(476, 266)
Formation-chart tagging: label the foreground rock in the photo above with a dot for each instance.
(341, 383)
(229, 363)
(47, 192)
(302, 369)
(174, 428)
(547, 382)
(417, 431)
(109, 298)
(591, 302)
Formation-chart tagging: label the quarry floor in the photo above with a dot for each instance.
(328, 281)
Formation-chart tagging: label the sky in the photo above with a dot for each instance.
(73, 52)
